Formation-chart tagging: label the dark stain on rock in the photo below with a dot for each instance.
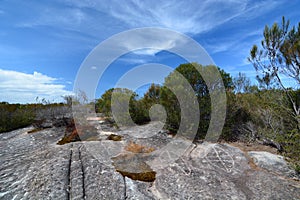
(35, 130)
(114, 137)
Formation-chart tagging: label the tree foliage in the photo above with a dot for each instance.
(190, 72)
(242, 83)
(123, 104)
(173, 91)
(279, 56)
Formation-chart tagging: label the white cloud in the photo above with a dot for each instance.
(134, 60)
(18, 87)
(67, 18)
(183, 16)
(157, 42)
(93, 67)
(190, 16)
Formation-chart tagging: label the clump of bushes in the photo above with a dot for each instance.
(125, 104)
(264, 116)
(131, 108)
(14, 116)
(291, 145)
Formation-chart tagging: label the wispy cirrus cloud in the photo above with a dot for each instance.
(21, 87)
(188, 16)
(69, 18)
(184, 16)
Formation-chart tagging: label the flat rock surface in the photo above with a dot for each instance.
(33, 167)
(271, 162)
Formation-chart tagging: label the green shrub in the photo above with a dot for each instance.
(14, 116)
(291, 147)
(125, 105)
(190, 72)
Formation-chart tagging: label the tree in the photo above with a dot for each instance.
(122, 105)
(279, 56)
(266, 82)
(241, 83)
(153, 94)
(141, 108)
(170, 100)
(68, 99)
(103, 105)
(290, 50)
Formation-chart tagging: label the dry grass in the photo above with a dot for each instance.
(137, 148)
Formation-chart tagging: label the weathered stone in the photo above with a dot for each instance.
(138, 190)
(33, 167)
(101, 181)
(134, 166)
(214, 171)
(32, 170)
(271, 162)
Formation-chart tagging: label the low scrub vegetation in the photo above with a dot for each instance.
(13, 116)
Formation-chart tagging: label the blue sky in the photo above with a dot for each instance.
(43, 43)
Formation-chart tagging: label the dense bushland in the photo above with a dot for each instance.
(14, 116)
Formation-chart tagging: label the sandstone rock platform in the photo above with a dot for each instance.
(33, 166)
